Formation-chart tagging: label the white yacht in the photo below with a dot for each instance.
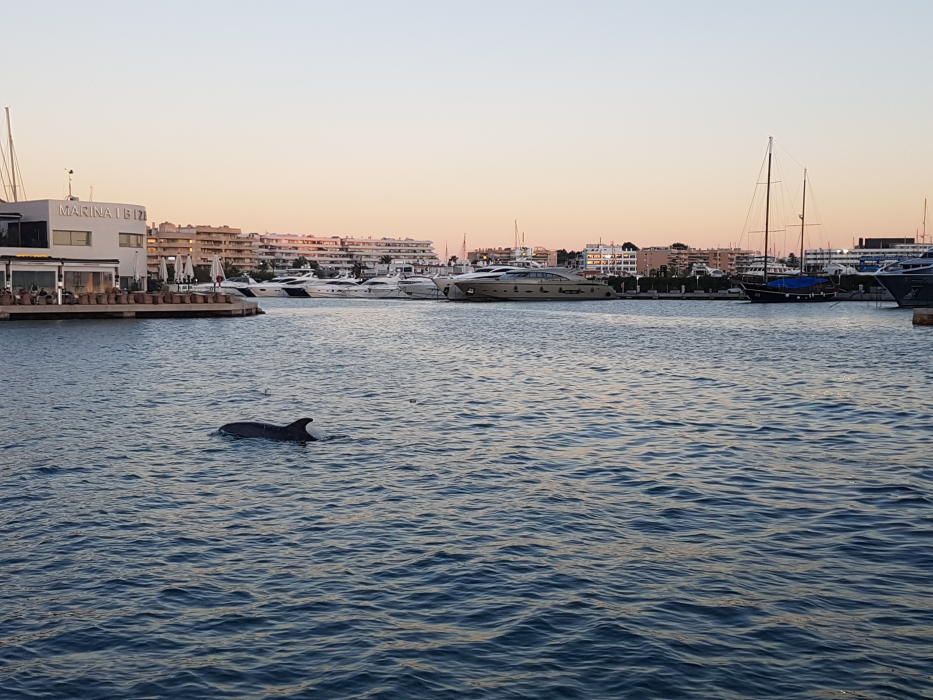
(278, 286)
(545, 284)
(419, 288)
(448, 285)
(909, 281)
(376, 288)
(302, 286)
(233, 285)
(337, 288)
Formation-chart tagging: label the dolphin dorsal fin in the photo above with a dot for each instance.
(299, 424)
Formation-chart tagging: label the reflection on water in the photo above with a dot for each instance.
(612, 499)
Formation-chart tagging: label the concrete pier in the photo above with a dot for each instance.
(181, 309)
(923, 316)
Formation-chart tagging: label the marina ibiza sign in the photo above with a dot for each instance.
(102, 211)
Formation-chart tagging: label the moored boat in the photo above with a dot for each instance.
(544, 284)
(789, 286)
(909, 281)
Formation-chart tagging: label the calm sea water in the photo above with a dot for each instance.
(620, 499)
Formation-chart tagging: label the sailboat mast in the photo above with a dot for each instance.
(924, 237)
(767, 207)
(9, 133)
(803, 218)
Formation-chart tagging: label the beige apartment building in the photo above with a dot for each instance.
(341, 253)
(679, 261)
(168, 240)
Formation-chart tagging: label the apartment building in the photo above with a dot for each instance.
(168, 240)
(679, 261)
(341, 253)
(504, 256)
(612, 260)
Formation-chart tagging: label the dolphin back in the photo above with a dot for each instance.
(295, 432)
(300, 429)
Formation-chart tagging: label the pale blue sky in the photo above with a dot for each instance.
(620, 121)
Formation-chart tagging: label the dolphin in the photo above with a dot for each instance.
(293, 432)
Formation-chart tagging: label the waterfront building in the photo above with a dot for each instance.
(342, 253)
(71, 245)
(677, 261)
(867, 259)
(504, 256)
(168, 240)
(612, 260)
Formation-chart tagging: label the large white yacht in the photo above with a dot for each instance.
(419, 288)
(909, 281)
(544, 284)
(336, 288)
(302, 286)
(448, 285)
(244, 285)
(376, 288)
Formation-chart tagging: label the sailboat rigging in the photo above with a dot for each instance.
(784, 288)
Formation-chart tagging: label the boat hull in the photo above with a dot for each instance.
(909, 291)
(762, 293)
(422, 292)
(502, 290)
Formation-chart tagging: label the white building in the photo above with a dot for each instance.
(615, 260)
(281, 250)
(861, 259)
(71, 245)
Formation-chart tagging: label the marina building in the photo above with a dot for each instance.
(168, 240)
(342, 253)
(60, 245)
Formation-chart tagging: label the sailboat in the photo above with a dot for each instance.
(787, 288)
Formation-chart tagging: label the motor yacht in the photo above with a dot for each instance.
(544, 284)
(419, 288)
(301, 286)
(448, 285)
(376, 288)
(337, 288)
(909, 281)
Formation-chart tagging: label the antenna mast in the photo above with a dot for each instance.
(803, 214)
(923, 238)
(9, 133)
(767, 208)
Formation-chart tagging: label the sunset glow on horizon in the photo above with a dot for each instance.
(599, 121)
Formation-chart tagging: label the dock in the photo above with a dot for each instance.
(137, 305)
(923, 316)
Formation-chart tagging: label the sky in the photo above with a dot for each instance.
(585, 121)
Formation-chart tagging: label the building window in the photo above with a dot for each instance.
(24, 234)
(71, 237)
(88, 281)
(33, 279)
(131, 240)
